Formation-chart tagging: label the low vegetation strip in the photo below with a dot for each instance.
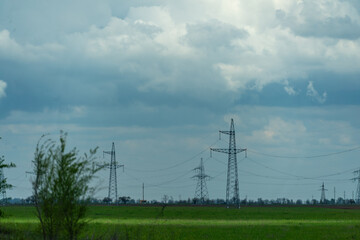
(200, 222)
(136, 222)
(189, 222)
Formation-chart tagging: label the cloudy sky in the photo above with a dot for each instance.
(160, 78)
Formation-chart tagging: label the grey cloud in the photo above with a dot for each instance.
(213, 34)
(136, 72)
(147, 28)
(355, 4)
(42, 21)
(315, 23)
(331, 27)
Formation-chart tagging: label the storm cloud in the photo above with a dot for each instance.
(165, 76)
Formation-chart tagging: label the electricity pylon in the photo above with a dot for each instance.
(322, 199)
(201, 191)
(232, 185)
(112, 178)
(357, 196)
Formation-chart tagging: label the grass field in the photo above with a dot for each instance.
(137, 222)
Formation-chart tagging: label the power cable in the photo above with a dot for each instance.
(280, 184)
(161, 183)
(176, 165)
(297, 157)
(303, 177)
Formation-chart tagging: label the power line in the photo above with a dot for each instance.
(302, 177)
(313, 156)
(219, 161)
(275, 170)
(176, 165)
(161, 183)
(293, 179)
(280, 184)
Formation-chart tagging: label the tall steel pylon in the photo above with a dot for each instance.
(201, 191)
(357, 178)
(112, 178)
(322, 199)
(232, 185)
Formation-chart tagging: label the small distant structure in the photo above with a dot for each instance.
(143, 201)
(322, 199)
(201, 192)
(357, 178)
(112, 194)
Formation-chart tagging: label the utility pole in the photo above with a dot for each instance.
(232, 185)
(357, 178)
(112, 178)
(322, 199)
(334, 195)
(143, 189)
(201, 191)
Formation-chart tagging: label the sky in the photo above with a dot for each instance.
(161, 78)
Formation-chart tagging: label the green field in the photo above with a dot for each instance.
(137, 222)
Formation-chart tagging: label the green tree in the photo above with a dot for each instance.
(61, 187)
(4, 185)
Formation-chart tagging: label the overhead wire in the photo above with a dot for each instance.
(299, 157)
(280, 184)
(161, 183)
(176, 165)
(294, 177)
(299, 176)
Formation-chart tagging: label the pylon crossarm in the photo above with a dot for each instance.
(222, 150)
(227, 132)
(197, 168)
(240, 150)
(227, 151)
(119, 166)
(106, 152)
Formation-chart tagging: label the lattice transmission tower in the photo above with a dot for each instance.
(357, 178)
(322, 199)
(232, 184)
(201, 191)
(112, 178)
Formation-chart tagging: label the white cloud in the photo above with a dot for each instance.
(313, 93)
(11, 49)
(241, 45)
(279, 131)
(2, 88)
(290, 90)
(327, 18)
(8, 47)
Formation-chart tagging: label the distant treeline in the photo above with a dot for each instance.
(193, 201)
